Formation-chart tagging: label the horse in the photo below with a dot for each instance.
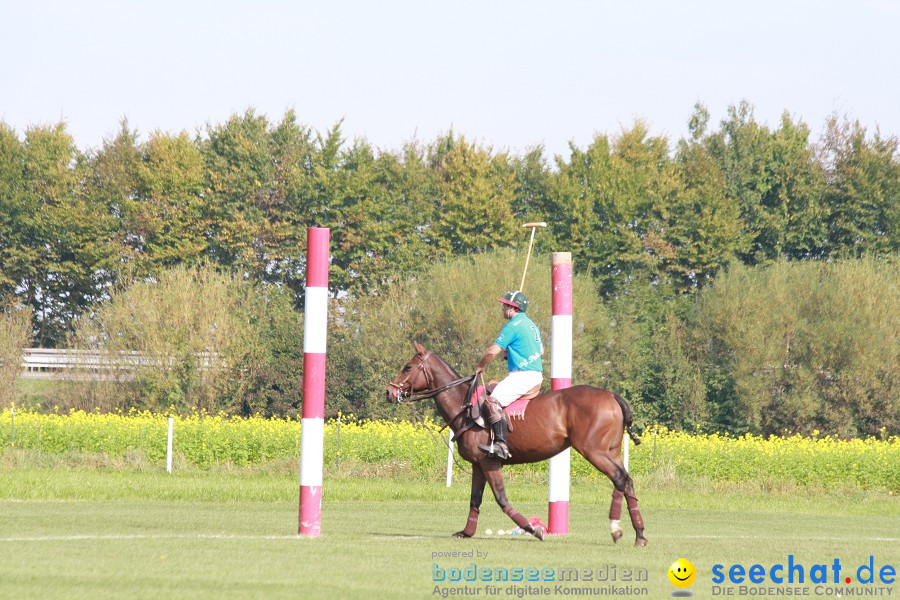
(587, 418)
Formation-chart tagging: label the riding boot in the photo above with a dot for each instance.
(498, 446)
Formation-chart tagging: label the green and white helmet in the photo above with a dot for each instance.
(515, 299)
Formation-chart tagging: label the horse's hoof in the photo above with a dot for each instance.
(640, 542)
(617, 535)
(538, 533)
(460, 534)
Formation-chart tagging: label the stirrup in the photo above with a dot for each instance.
(497, 449)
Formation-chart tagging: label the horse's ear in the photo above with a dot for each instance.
(419, 347)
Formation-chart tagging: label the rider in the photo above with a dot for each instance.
(521, 339)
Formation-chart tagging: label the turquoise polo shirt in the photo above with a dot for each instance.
(522, 341)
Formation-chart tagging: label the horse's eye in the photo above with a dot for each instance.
(406, 369)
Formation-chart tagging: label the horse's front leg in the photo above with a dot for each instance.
(491, 470)
(474, 503)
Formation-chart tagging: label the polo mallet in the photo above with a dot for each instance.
(533, 226)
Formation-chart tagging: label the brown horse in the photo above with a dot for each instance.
(589, 419)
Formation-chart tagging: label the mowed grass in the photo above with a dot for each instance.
(98, 532)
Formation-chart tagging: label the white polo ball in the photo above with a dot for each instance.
(500, 532)
(488, 531)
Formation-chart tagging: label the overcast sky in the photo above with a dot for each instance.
(507, 74)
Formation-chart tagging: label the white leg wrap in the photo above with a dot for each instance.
(614, 525)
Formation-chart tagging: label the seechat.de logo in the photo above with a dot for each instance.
(682, 574)
(794, 571)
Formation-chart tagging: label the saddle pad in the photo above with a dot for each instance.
(476, 397)
(516, 410)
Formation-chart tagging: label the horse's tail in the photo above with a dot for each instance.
(627, 418)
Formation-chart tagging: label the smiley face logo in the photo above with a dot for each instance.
(682, 573)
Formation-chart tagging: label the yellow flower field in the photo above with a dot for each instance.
(418, 449)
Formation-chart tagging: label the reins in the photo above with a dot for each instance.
(415, 397)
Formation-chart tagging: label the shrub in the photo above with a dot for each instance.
(15, 332)
(452, 309)
(194, 339)
(805, 345)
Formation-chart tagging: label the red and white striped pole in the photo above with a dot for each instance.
(312, 428)
(560, 378)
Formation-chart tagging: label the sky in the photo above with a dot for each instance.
(509, 75)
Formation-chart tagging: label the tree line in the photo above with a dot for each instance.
(634, 208)
(743, 278)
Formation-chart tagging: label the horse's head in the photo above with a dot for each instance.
(413, 377)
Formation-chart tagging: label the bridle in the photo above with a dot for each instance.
(402, 390)
(407, 392)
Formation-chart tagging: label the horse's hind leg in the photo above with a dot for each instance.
(491, 468)
(615, 515)
(637, 520)
(624, 488)
(474, 503)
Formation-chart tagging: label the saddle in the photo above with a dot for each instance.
(516, 410)
(476, 411)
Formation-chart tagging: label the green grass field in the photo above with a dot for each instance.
(91, 531)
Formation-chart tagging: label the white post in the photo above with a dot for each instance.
(449, 462)
(625, 439)
(169, 445)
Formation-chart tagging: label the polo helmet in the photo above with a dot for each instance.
(516, 299)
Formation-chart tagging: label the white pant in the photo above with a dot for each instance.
(516, 384)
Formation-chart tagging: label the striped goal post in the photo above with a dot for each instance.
(312, 428)
(560, 378)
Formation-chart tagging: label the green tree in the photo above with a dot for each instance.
(241, 172)
(168, 219)
(776, 181)
(701, 224)
(533, 177)
(16, 257)
(291, 208)
(863, 190)
(267, 185)
(65, 232)
(651, 354)
(743, 152)
(796, 220)
(383, 214)
(475, 197)
(112, 181)
(606, 203)
(574, 213)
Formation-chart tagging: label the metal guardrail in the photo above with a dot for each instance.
(47, 363)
